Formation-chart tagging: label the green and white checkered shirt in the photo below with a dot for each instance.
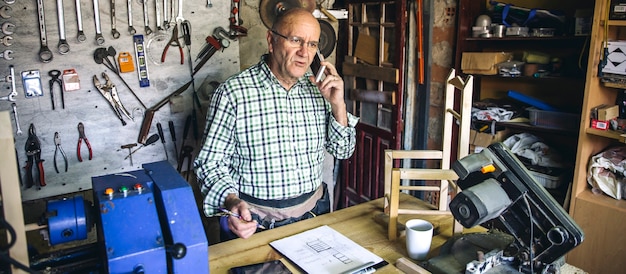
(265, 141)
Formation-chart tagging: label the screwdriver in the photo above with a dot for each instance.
(170, 124)
(129, 146)
(151, 140)
(162, 137)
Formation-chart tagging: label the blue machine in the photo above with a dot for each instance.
(148, 222)
(67, 220)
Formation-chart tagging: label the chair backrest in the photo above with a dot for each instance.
(395, 174)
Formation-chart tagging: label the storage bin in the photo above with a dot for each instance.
(553, 119)
(547, 181)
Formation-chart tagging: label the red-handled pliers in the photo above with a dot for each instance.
(81, 137)
(173, 42)
(33, 153)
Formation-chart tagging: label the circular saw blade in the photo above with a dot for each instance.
(270, 9)
(328, 38)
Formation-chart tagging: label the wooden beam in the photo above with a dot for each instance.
(390, 75)
(373, 96)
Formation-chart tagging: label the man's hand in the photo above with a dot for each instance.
(332, 90)
(243, 226)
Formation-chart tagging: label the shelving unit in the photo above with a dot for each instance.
(602, 218)
(564, 90)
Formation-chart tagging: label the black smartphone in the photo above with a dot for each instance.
(316, 66)
(275, 266)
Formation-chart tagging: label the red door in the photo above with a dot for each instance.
(373, 72)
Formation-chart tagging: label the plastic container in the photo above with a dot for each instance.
(543, 32)
(510, 68)
(547, 181)
(553, 119)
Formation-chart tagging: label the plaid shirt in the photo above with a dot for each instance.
(265, 141)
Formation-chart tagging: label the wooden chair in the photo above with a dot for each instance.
(395, 174)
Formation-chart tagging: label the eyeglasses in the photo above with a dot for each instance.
(296, 41)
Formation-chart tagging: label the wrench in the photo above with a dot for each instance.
(79, 20)
(7, 54)
(18, 130)
(146, 20)
(114, 32)
(158, 14)
(209, 4)
(6, 40)
(5, 12)
(166, 20)
(63, 46)
(131, 29)
(179, 17)
(11, 96)
(96, 14)
(7, 28)
(45, 55)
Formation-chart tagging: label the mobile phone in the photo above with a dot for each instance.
(316, 66)
(275, 266)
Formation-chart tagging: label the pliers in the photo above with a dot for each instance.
(173, 42)
(55, 79)
(109, 92)
(81, 137)
(57, 143)
(33, 153)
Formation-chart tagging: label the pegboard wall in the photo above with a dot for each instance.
(86, 105)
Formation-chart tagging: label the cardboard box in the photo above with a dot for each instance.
(484, 139)
(616, 58)
(483, 62)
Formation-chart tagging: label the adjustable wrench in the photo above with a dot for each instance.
(114, 32)
(11, 96)
(131, 29)
(96, 14)
(146, 20)
(63, 46)
(18, 130)
(79, 21)
(45, 55)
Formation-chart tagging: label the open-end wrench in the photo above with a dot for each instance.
(166, 19)
(158, 14)
(131, 29)
(63, 46)
(96, 14)
(179, 17)
(13, 94)
(209, 4)
(7, 28)
(5, 12)
(45, 55)
(7, 54)
(18, 130)
(79, 21)
(146, 20)
(6, 40)
(114, 32)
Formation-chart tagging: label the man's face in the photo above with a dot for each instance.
(292, 59)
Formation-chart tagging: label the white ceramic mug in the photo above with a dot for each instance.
(419, 235)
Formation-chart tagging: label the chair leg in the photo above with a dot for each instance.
(394, 203)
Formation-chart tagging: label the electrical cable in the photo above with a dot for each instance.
(5, 249)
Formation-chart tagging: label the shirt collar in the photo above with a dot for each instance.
(269, 75)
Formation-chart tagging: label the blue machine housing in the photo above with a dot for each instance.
(139, 226)
(67, 221)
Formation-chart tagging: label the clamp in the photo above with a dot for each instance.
(109, 92)
(33, 153)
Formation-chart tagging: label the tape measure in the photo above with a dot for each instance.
(142, 66)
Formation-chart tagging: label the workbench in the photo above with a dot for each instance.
(361, 223)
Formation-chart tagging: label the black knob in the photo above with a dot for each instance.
(177, 250)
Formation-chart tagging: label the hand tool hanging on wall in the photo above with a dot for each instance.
(173, 42)
(142, 64)
(167, 5)
(63, 46)
(149, 115)
(186, 156)
(162, 136)
(45, 55)
(7, 54)
(216, 42)
(109, 92)
(57, 144)
(157, 8)
(6, 40)
(179, 17)
(129, 146)
(5, 12)
(55, 74)
(236, 28)
(114, 32)
(18, 130)
(8, 28)
(33, 153)
(82, 137)
(181, 157)
(13, 93)
(101, 56)
(146, 20)
(96, 14)
(170, 124)
(131, 29)
(79, 21)
(151, 140)
(186, 26)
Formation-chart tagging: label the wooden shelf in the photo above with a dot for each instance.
(603, 200)
(621, 137)
(617, 23)
(528, 38)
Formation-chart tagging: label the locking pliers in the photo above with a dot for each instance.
(33, 153)
(109, 92)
